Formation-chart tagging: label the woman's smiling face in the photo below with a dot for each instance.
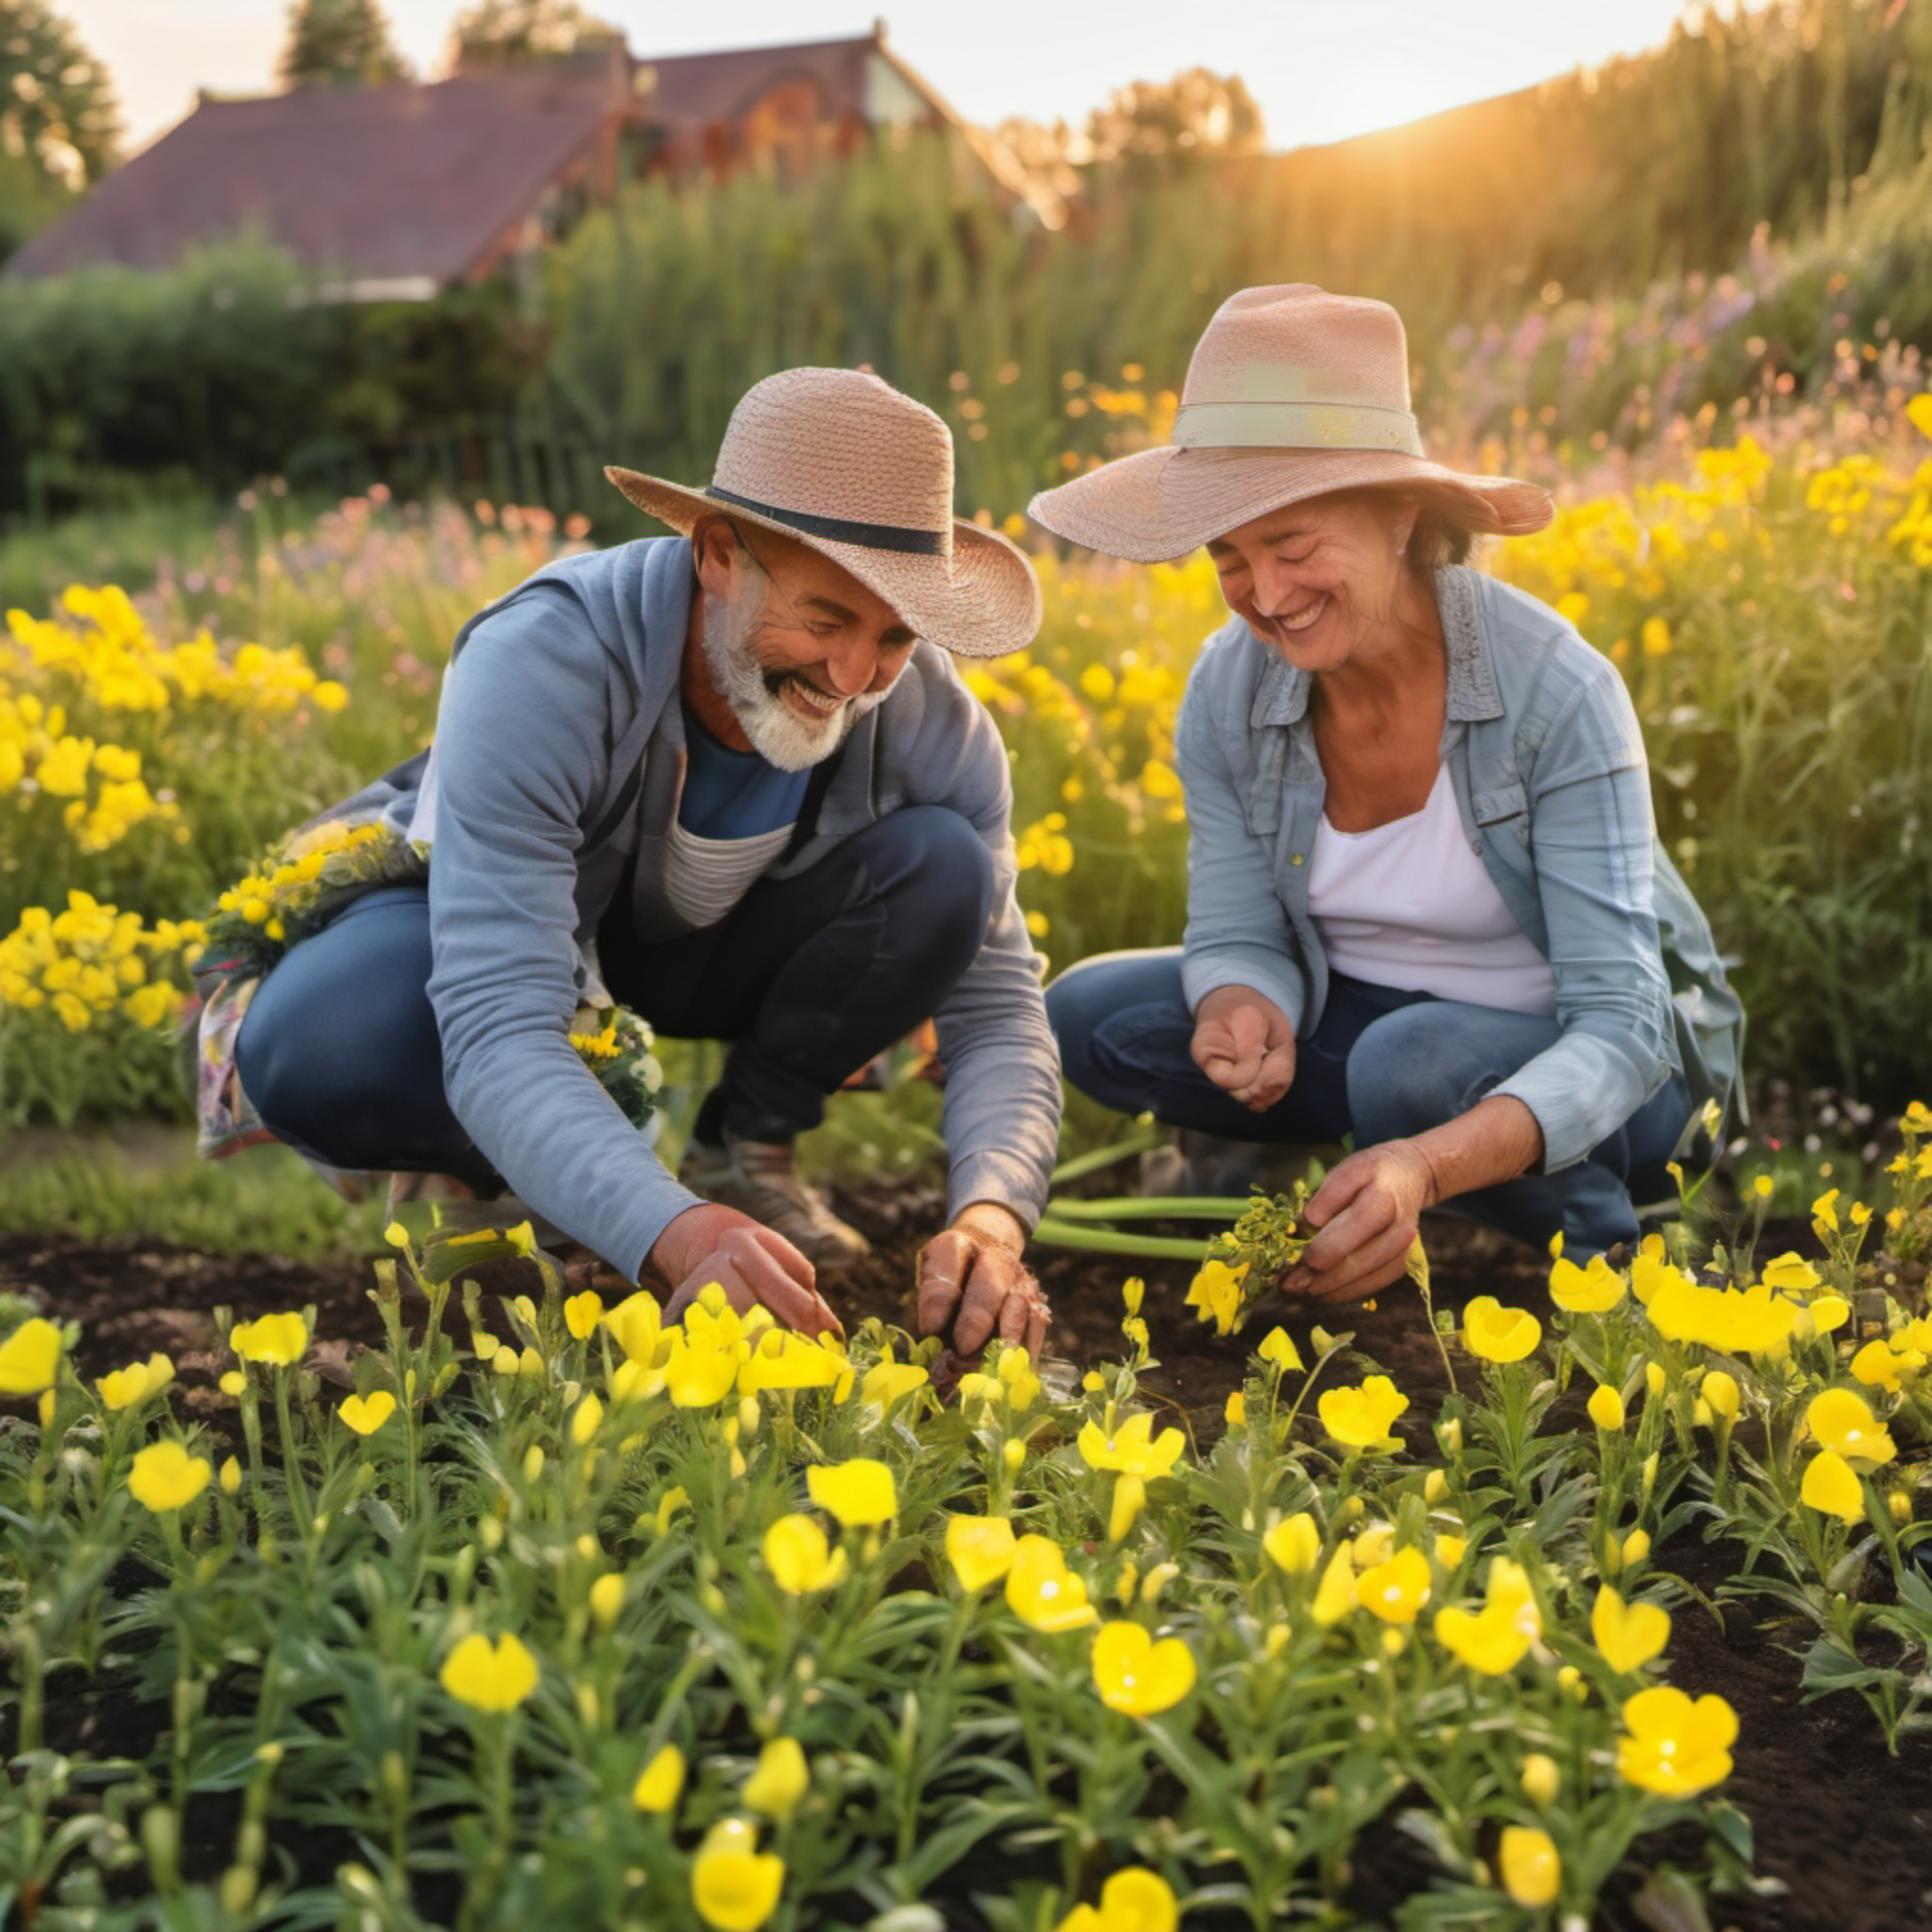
(1319, 579)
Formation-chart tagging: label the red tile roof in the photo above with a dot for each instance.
(391, 182)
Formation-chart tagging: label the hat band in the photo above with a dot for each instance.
(1295, 426)
(839, 529)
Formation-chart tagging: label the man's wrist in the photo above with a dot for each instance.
(993, 1222)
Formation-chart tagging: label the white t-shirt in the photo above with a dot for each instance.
(1410, 904)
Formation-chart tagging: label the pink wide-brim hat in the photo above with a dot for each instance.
(1292, 393)
(842, 462)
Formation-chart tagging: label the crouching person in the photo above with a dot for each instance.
(728, 780)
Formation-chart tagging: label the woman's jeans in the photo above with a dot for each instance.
(808, 978)
(1383, 1064)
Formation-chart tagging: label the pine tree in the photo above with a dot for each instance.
(338, 44)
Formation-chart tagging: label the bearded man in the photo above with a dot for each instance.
(732, 778)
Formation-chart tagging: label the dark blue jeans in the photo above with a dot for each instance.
(1381, 1065)
(807, 976)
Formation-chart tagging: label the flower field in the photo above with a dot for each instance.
(490, 1605)
(560, 1611)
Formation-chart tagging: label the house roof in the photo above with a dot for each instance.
(696, 89)
(395, 182)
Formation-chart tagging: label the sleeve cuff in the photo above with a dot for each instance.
(1268, 973)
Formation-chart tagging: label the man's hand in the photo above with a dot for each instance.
(754, 1267)
(1366, 1210)
(1244, 1044)
(972, 1277)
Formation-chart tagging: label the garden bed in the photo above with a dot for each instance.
(1839, 1823)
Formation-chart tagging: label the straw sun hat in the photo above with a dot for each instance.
(838, 460)
(1292, 392)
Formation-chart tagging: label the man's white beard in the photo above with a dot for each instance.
(777, 733)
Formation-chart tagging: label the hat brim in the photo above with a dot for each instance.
(1160, 504)
(981, 602)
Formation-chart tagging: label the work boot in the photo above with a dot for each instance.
(1197, 1164)
(760, 1179)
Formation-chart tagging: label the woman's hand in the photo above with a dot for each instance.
(1366, 1211)
(1244, 1044)
(754, 1267)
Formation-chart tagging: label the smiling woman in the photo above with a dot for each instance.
(1428, 911)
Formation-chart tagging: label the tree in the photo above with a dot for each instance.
(520, 32)
(58, 119)
(1195, 114)
(338, 44)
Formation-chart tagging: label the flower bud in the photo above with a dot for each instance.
(1013, 1455)
(1607, 1409)
(1448, 1435)
(1435, 1486)
(1654, 1377)
(1541, 1780)
(1899, 1502)
(533, 1463)
(230, 1476)
(1636, 1546)
(1721, 1395)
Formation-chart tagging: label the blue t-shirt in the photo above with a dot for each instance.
(730, 795)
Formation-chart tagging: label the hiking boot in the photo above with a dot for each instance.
(760, 1179)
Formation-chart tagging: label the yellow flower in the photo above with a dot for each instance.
(125, 1387)
(366, 1414)
(1397, 1590)
(1133, 1448)
(1042, 1592)
(582, 1314)
(1235, 1410)
(1823, 1211)
(30, 1358)
(607, 1599)
(1721, 1393)
(165, 1476)
(980, 1549)
(1828, 1313)
(1842, 1421)
(229, 1475)
(638, 1323)
(1293, 1544)
(1134, 1900)
(886, 1383)
(1360, 1418)
(734, 1885)
(1532, 1872)
(1880, 1366)
(860, 1494)
(489, 1677)
(1541, 1782)
(1606, 1407)
(1636, 1546)
(799, 1558)
(1497, 1334)
(1584, 1291)
(781, 1779)
(1831, 1488)
(1215, 1294)
(1789, 1275)
(1279, 1350)
(1676, 1747)
(281, 1340)
(784, 1360)
(1628, 1636)
(698, 1373)
(1487, 1640)
(1138, 1676)
(662, 1782)
(1130, 1495)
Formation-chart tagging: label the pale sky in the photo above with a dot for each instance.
(1322, 69)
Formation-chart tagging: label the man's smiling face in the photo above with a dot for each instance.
(796, 647)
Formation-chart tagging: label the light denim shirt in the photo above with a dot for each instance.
(1547, 766)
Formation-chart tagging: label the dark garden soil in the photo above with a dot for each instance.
(1846, 1829)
